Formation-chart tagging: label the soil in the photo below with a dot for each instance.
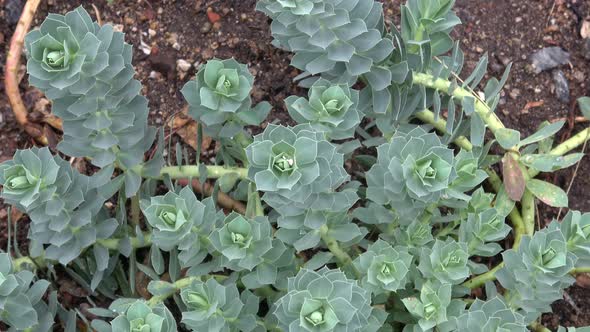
(198, 30)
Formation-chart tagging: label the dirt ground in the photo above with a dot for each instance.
(189, 32)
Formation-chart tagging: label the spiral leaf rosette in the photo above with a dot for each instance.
(491, 315)
(137, 316)
(329, 108)
(446, 261)
(414, 169)
(219, 97)
(214, 307)
(326, 301)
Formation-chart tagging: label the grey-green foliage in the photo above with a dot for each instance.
(86, 70)
(21, 304)
(575, 227)
(64, 205)
(433, 307)
(243, 242)
(219, 97)
(339, 39)
(384, 267)
(135, 315)
(490, 316)
(330, 108)
(538, 271)
(446, 261)
(180, 221)
(481, 231)
(412, 170)
(326, 300)
(211, 306)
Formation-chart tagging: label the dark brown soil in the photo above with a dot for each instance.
(509, 30)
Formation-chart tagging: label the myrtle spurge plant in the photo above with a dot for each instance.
(370, 214)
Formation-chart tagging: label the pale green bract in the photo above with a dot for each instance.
(214, 307)
(219, 97)
(433, 308)
(326, 301)
(86, 70)
(329, 108)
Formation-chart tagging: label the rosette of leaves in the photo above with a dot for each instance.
(64, 204)
(575, 227)
(243, 242)
(469, 175)
(537, 272)
(29, 179)
(414, 165)
(134, 315)
(434, 307)
(276, 264)
(86, 70)
(21, 305)
(213, 307)
(491, 315)
(219, 97)
(446, 261)
(326, 301)
(298, 170)
(338, 39)
(481, 232)
(329, 108)
(172, 217)
(384, 268)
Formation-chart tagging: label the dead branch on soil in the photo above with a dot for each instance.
(11, 77)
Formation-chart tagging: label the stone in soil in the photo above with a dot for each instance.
(549, 58)
(562, 89)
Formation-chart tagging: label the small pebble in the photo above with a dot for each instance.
(183, 65)
(151, 33)
(562, 90)
(206, 27)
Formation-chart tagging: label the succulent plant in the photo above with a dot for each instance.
(491, 315)
(338, 39)
(575, 227)
(21, 305)
(414, 168)
(298, 170)
(330, 108)
(63, 204)
(434, 307)
(326, 301)
(219, 97)
(243, 242)
(481, 232)
(215, 307)
(384, 268)
(173, 216)
(537, 271)
(86, 70)
(137, 316)
(446, 261)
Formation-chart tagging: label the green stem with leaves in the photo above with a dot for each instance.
(193, 171)
(334, 247)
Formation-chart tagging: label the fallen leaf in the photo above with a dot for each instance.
(185, 127)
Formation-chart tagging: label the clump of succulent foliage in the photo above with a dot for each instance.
(370, 214)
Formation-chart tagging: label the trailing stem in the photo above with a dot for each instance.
(342, 256)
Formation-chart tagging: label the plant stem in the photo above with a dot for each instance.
(136, 243)
(538, 327)
(490, 118)
(528, 212)
(135, 211)
(178, 285)
(565, 147)
(481, 279)
(192, 171)
(427, 116)
(582, 269)
(342, 256)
